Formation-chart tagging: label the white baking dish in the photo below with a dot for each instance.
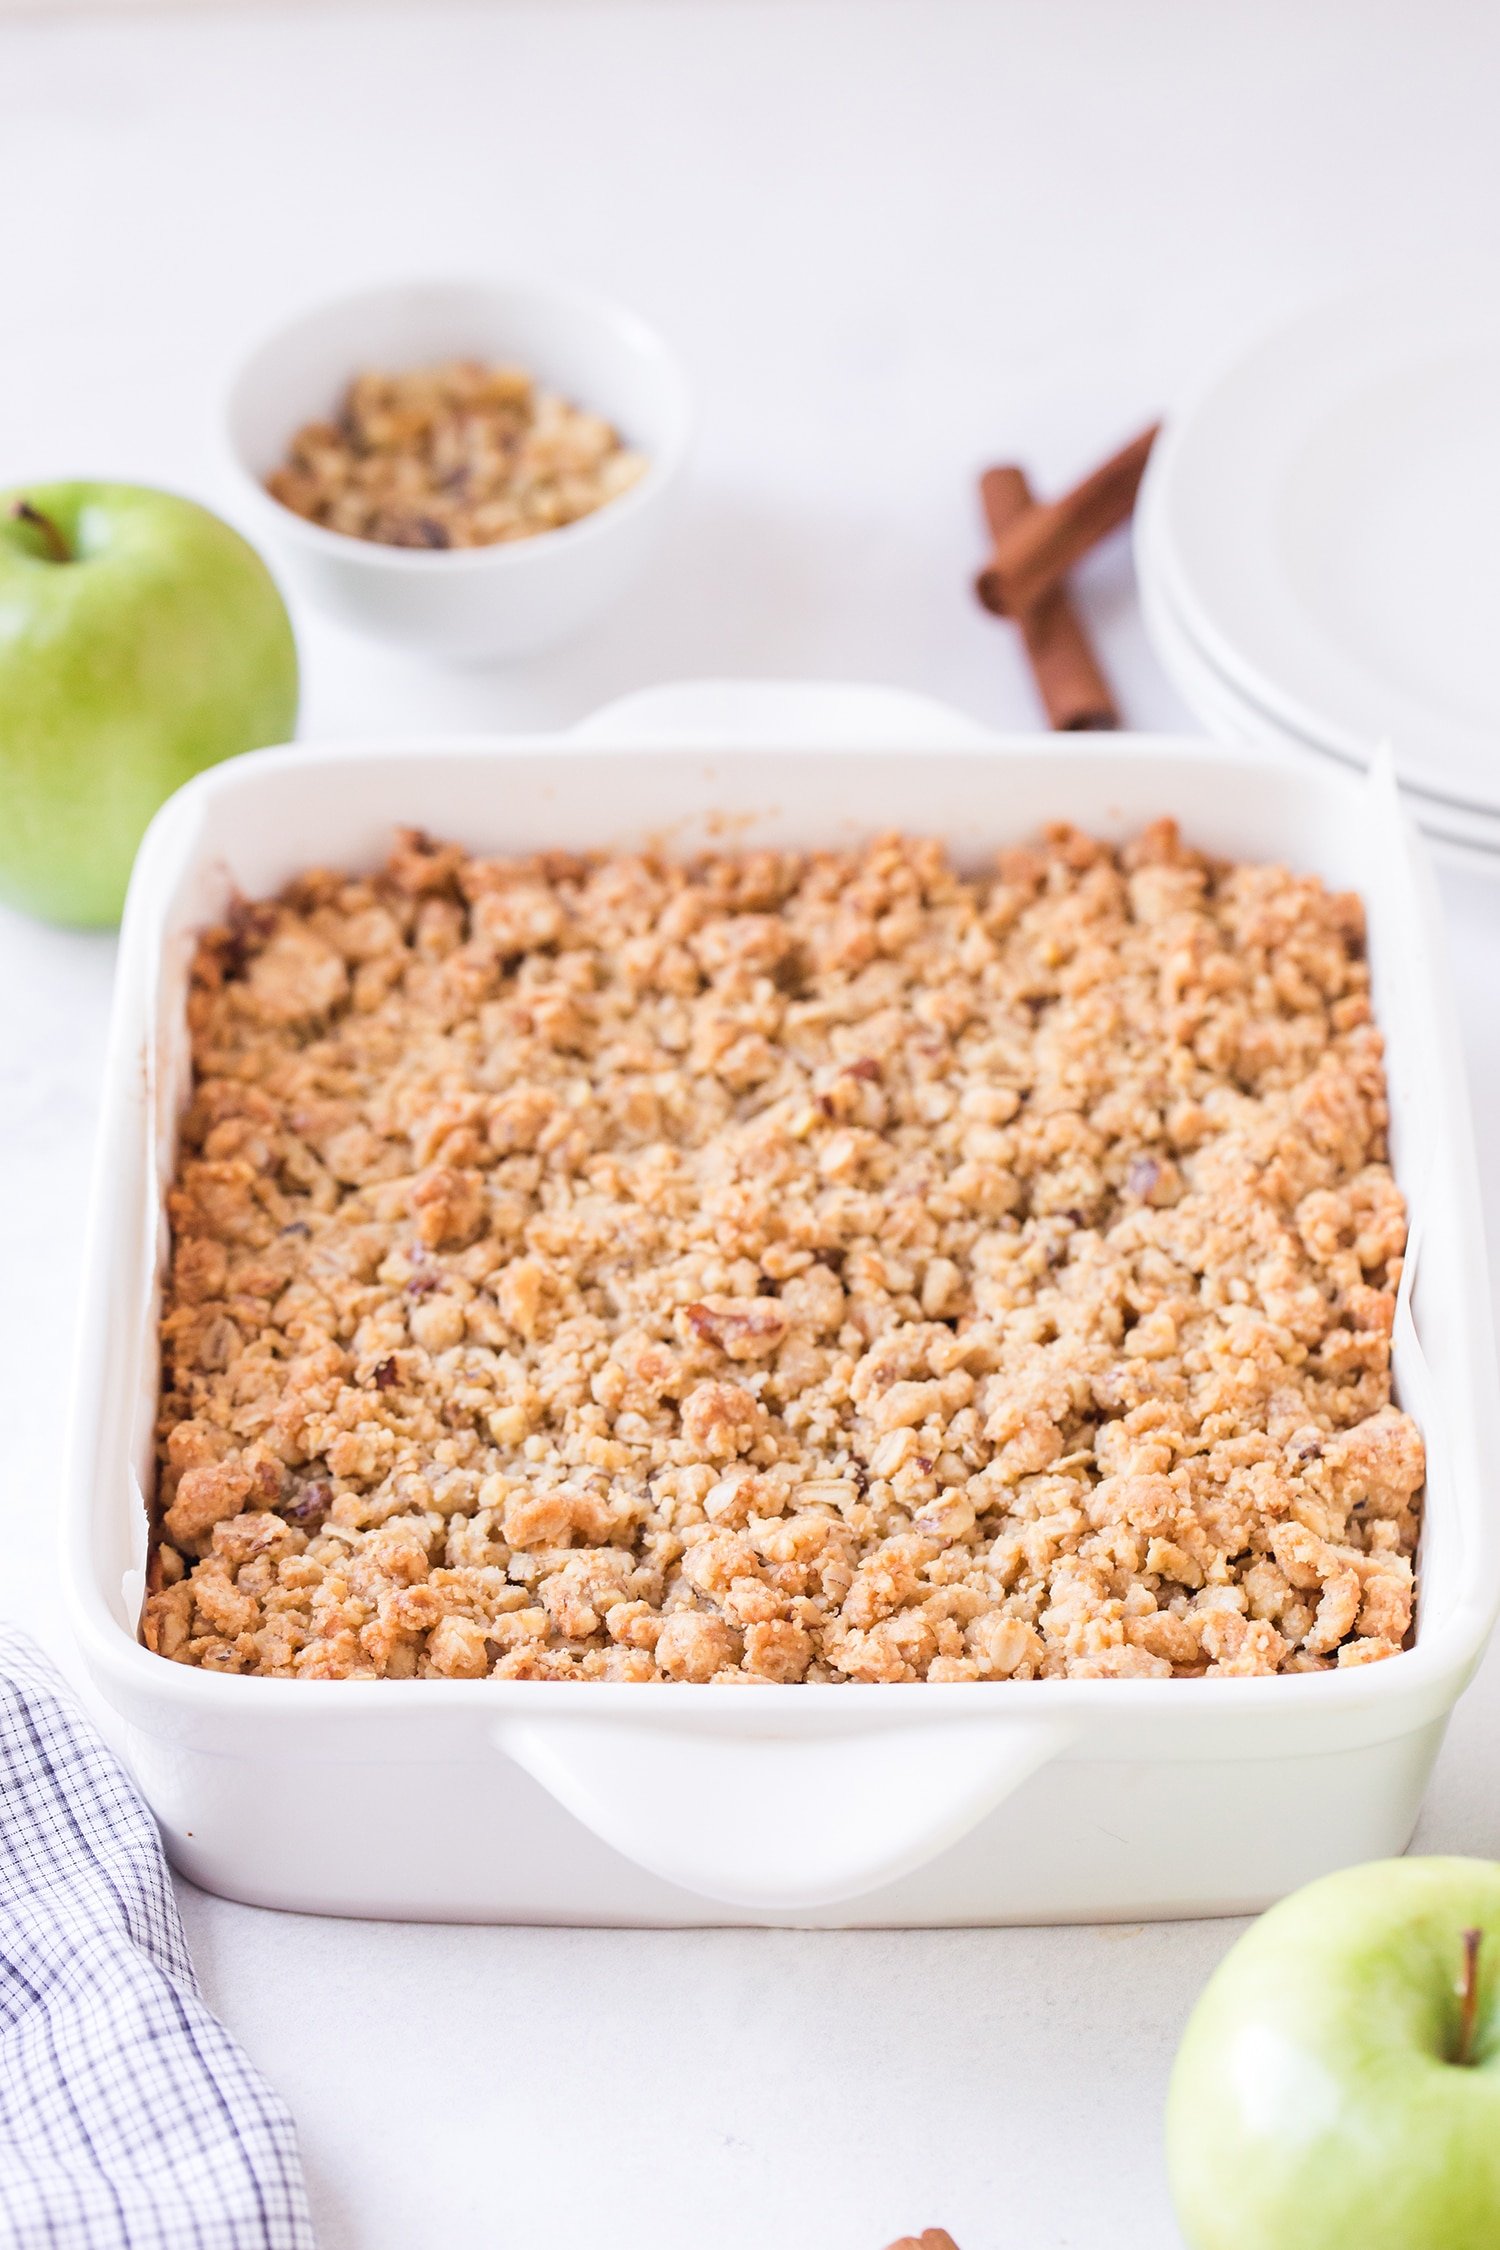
(671, 1804)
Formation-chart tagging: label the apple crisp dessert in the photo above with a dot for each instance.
(458, 455)
(785, 1267)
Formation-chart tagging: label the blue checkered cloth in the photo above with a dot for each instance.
(129, 2119)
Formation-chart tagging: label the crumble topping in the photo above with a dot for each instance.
(785, 1267)
(458, 455)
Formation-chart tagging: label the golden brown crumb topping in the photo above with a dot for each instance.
(459, 455)
(785, 1267)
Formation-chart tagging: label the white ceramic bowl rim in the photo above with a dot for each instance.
(662, 464)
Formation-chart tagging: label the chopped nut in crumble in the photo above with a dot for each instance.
(460, 455)
(785, 1267)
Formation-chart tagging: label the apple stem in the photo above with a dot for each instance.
(1468, 1997)
(58, 550)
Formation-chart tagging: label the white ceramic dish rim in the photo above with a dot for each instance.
(1182, 1719)
(1461, 831)
(1312, 325)
(501, 556)
(1267, 712)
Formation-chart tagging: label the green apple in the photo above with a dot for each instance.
(1338, 2087)
(140, 640)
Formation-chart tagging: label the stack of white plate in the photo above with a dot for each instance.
(1318, 547)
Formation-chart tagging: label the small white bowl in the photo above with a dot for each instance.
(471, 604)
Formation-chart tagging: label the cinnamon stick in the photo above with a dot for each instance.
(1074, 692)
(1040, 547)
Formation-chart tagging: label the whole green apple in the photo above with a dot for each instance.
(140, 640)
(1338, 2087)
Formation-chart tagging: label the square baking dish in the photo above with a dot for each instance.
(816, 1805)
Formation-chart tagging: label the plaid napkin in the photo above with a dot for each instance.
(129, 2119)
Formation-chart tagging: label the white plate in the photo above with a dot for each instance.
(1455, 834)
(1324, 518)
(1232, 716)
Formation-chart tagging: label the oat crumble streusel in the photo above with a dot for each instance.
(458, 455)
(782, 1267)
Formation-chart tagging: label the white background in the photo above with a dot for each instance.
(891, 244)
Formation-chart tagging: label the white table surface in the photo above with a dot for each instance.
(892, 244)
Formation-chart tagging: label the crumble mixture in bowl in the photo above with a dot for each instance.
(785, 1267)
(462, 454)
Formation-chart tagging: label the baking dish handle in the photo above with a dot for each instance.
(812, 714)
(780, 1820)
